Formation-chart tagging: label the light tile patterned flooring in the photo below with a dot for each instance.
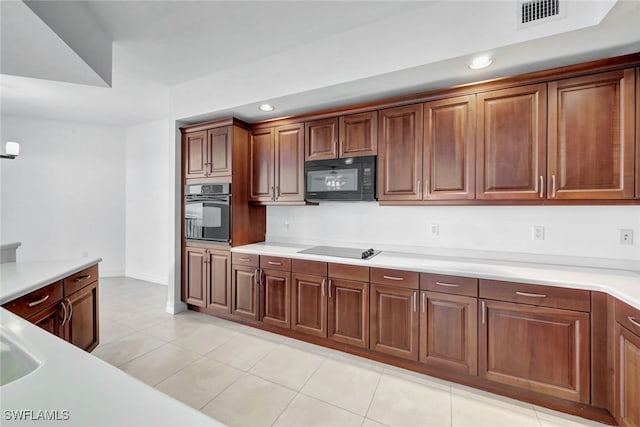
(247, 377)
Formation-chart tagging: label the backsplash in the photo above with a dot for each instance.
(579, 235)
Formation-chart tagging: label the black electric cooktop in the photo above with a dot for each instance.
(354, 253)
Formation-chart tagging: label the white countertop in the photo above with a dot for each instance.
(622, 284)
(68, 379)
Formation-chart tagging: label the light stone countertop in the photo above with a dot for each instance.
(622, 284)
(68, 379)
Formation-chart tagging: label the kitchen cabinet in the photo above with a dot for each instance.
(208, 153)
(275, 291)
(348, 312)
(394, 313)
(400, 153)
(244, 291)
(50, 319)
(449, 323)
(591, 136)
(511, 143)
(81, 327)
(277, 164)
(449, 143)
(637, 133)
(535, 347)
(309, 297)
(627, 367)
(207, 277)
(345, 136)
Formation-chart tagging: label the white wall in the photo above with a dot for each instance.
(147, 200)
(63, 197)
(580, 231)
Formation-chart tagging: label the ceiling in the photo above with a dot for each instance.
(300, 55)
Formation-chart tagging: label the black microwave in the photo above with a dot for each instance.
(346, 179)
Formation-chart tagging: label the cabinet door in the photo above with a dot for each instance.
(321, 139)
(449, 332)
(261, 182)
(637, 133)
(511, 143)
(394, 321)
(449, 143)
(627, 377)
(348, 314)
(220, 151)
(545, 350)
(275, 298)
(309, 304)
(219, 280)
(196, 161)
(359, 134)
(591, 131)
(194, 276)
(50, 319)
(289, 163)
(81, 328)
(244, 291)
(400, 153)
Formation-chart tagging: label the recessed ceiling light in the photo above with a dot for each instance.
(480, 62)
(266, 107)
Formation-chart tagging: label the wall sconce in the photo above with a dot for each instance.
(12, 149)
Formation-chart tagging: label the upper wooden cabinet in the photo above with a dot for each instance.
(400, 153)
(277, 164)
(208, 153)
(449, 142)
(591, 137)
(511, 143)
(345, 136)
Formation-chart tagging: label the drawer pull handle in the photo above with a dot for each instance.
(274, 263)
(81, 278)
(393, 278)
(448, 285)
(634, 321)
(243, 259)
(38, 302)
(526, 294)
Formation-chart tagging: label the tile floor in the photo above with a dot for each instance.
(247, 377)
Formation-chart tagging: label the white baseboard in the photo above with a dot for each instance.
(147, 277)
(176, 307)
(111, 273)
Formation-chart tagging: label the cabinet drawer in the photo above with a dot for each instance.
(455, 285)
(401, 278)
(546, 296)
(349, 272)
(80, 279)
(275, 262)
(628, 317)
(314, 268)
(245, 259)
(32, 303)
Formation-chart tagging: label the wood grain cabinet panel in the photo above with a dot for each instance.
(219, 148)
(321, 139)
(627, 377)
(50, 319)
(195, 154)
(289, 163)
(194, 276)
(309, 304)
(449, 143)
(218, 280)
(261, 168)
(208, 153)
(449, 332)
(348, 312)
(359, 134)
(275, 298)
(540, 349)
(394, 321)
(244, 291)
(400, 153)
(637, 133)
(591, 136)
(511, 144)
(82, 328)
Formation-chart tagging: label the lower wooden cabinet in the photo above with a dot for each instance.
(394, 321)
(540, 349)
(309, 304)
(81, 327)
(194, 276)
(244, 291)
(348, 312)
(275, 298)
(627, 366)
(206, 277)
(50, 319)
(449, 332)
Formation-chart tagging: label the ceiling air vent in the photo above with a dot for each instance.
(539, 11)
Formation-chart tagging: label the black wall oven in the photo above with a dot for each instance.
(207, 213)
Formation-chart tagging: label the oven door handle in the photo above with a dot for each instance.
(224, 199)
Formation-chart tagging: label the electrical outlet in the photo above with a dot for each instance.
(287, 223)
(435, 229)
(85, 254)
(626, 236)
(537, 232)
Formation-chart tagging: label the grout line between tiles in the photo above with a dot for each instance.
(373, 395)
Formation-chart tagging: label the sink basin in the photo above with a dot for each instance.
(15, 362)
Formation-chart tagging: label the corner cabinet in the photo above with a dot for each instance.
(277, 164)
(591, 137)
(511, 143)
